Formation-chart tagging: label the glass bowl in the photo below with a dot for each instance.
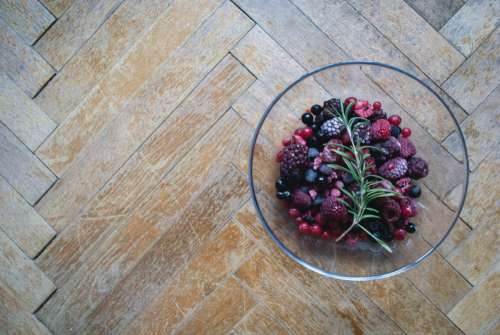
(431, 120)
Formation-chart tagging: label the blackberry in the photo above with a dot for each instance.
(363, 134)
(333, 127)
(294, 159)
(392, 146)
(393, 169)
(417, 168)
(332, 106)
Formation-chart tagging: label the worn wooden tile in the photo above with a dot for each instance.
(22, 116)
(97, 56)
(21, 63)
(413, 36)
(29, 18)
(73, 29)
(259, 321)
(21, 276)
(15, 319)
(482, 204)
(479, 252)
(480, 131)
(472, 24)
(57, 7)
(113, 92)
(22, 169)
(478, 76)
(349, 29)
(479, 311)
(149, 107)
(220, 311)
(436, 12)
(201, 276)
(168, 208)
(21, 222)
(456, 236)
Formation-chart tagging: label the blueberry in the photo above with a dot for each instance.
(321, 181)
(313, 153)
(410, 227)
(308, 218)
(347, 178)
(311, 175)
(325, 169)
(316, 109)
(304, 189)
(415, 191)
(285, 195)
(308, 119)
(318, 200)
(395, 131)
(281, 185)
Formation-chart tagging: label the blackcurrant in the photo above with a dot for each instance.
(316, 109)
(308, 118)
(281, 185)
(415, 191)
(410, 227)
(285, 195)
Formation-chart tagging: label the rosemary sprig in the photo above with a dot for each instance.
(354, 163)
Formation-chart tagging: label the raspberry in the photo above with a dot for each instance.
(381, 129)
(407, 148)
(301, 199)
(391, 210)
(334, 210)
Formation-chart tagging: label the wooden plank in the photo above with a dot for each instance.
(21, 276)
(157, 156)
(472, 24)
(14, 319)
(436, 12)
(73, 29)
(22, 116)
(259, 321)
(117, 87)
(168, 209)
(22, 169)
(478, 312)
(21, 222)
(57, 7)
(478, 76)
(413, 36)
(479, 252)
(456, 236)
(97, 56)
(29, 18)
(151, 105)
(480, 131)
(220, 311)
(21, 63)
(201, 276)
(348, 29)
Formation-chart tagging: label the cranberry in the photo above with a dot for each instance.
(319, 219)
(299, 221)
(395, 120)
(279, 156)
(305, 133)
(287, 141)
(304, 228)
(326, 235)
(406, 132)
(377, 105)
(352, 240)
(350, 100)
(406, 211)
(316, 230)
(399, 234)
(294, 213)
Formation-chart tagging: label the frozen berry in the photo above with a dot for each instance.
(326, 235)
(321, 181)
(306, 133)
(377, 105)
(312, 153)
(279, 156)
(316, 230)
(352, 240)
(410, 227)
(325, 169)
(406, 211)
(287, 141)
(335, 193)
(415, 191)
(318, 218)
(399, 234)
(281, 185)
(304, 228)
(381, 130)
(394, 120)
(318, 201)
(316, 109)
(339, 184)
(294, 213)
(395, 131)
(284, 195)
(307, 118)
(310, 176)
(350, 100)
(406, 132)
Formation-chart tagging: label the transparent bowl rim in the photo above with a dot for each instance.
(312, 267)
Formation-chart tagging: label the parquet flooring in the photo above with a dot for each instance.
(124, 134)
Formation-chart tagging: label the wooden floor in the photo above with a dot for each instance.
(124, 131)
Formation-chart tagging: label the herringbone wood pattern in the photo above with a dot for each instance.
(124, 132)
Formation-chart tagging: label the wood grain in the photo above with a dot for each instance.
(23, 170)
(29, 18)
(21, 276)
(151, 105)
(97, 56)
(22, 116)
(21, 63)
(115, 90)
(478, 76)
(73, 29)
(259, 321)
(436, 12)
(472, 24)
(21, 223)
(57, 7)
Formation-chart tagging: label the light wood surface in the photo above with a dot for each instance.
(124, 137)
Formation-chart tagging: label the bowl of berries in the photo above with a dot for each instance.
(348, 172)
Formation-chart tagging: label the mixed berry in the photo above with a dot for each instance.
(321, 179)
